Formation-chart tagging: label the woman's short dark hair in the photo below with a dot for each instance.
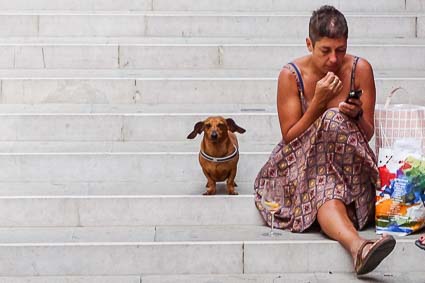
(327, 22)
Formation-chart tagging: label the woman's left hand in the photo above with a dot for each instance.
(352, 108)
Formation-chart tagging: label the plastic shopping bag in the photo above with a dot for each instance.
(400, 206)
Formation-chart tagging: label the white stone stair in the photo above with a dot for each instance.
(191, 24)
(198, 87)
(205, 5)
(192, 56)
(98, 181)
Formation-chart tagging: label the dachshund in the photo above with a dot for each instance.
(219, 154)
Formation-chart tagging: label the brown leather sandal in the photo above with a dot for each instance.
(379, 250)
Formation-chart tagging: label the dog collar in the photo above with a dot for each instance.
(219, 159)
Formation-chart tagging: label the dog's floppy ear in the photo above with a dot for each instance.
(199, 127)
(233, 127)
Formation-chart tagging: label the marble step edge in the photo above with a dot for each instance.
(177, 75)
(258, 13)
(314, 277)
(406, 44)
(165, 234)
(190, 40)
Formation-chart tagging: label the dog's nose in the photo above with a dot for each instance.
(214, 135)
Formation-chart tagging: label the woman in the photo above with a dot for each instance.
(323, 169)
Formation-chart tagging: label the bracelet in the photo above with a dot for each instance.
(359, 115)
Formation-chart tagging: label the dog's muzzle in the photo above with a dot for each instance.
(214, 135)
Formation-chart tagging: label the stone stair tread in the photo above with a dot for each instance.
(285, 13)
(147, 5)
(120, 147)
(207, 43)
(314, 277)
(173, 40)
(136, 109)
(179, 74)
(194, 188)
(166, 234)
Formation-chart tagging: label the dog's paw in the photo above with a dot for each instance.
(208, 193)
(234, 193)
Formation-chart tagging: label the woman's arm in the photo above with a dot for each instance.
(366, 103)
(292, 121)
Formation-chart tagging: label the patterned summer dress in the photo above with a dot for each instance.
(330, 160)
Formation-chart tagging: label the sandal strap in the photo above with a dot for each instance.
(359, 257)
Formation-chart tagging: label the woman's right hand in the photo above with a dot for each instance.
(326, 89)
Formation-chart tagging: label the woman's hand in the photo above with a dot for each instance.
(351, 108)
(326, 89)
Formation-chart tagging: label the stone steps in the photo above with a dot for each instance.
(260, 126)
(178, 40)
(98, 181)
(133, 210)
(182, 146)
(116, 167)
(164, 233)
(118, 188)
(34, 87)
(192, 56)
(194, 24)
(212, 257)
(314, 277)
(204, 5)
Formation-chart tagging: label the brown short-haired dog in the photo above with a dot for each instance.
(219, 153)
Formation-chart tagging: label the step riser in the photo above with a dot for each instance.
(83, 5)
(60, 188)
(163, 91)
(205, 5)
(63, 169)
(77, 235)
(283, 5)
(211, 258)
(317, 277)
(197, 26)
(330, 256)
(130, 211)
(73, 279)
(88, 127)
(191, 57)
(122, 260)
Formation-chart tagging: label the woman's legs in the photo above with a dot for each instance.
(334, 221)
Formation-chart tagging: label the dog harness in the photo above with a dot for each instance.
(219, 159)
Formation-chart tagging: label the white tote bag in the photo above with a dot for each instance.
(398, 121)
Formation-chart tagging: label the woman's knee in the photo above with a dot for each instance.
(333, 204)
(331, 207)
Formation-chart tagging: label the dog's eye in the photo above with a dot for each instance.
(222, 126)
(207, 126)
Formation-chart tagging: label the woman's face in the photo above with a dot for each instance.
(328, 53)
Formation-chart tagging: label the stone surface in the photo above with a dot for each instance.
(120, 259)
(157, 90)
(204, 5)
(99, 211)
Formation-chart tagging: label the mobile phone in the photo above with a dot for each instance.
(355, 94)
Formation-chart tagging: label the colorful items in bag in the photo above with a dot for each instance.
(400, 202)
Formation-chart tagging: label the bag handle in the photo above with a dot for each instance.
(391, 94)
(385, 139)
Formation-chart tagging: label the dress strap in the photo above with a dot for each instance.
(299, 78)
(353, 72)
